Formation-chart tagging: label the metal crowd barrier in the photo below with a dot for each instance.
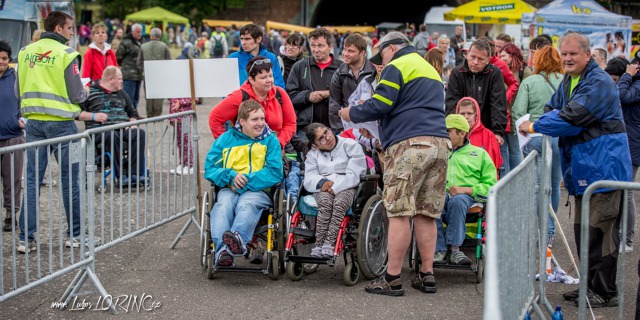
(515, 221)
(584, 243)
(111, 209)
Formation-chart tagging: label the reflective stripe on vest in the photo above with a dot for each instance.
(41, 76)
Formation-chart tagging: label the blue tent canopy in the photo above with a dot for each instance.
(604, 29)
(580, 13)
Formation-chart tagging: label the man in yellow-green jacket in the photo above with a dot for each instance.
(49, 88)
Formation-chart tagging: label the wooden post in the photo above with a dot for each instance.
(197, 171)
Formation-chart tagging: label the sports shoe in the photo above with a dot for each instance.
(459, 258)
(439, 258)
(225, 259)
(76, 241)
(24, 246)
(550, 241)
(256, 256)
(176, 170)
(233, 242)
(316, 252)
(571, 295)
(597, 301)
(327, 251)
(627, 248)
(186, 171)
(381, 286)
(8, 225)
(426, 284)
(46, 182)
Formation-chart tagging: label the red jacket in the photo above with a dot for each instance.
(281, 119)
(482, 137)
(94, 62)
(510, 82)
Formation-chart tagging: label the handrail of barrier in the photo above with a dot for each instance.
(584, 237)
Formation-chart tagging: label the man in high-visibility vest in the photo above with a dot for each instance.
(50, 88)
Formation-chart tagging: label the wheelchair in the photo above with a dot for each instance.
(103, 162)
(362, 237)
(474, 238)
(270, 229)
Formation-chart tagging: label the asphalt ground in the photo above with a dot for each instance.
(173, 285)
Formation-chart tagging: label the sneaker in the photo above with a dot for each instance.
(327, 251)
(76, 241)
(597, 301)
(186, 171)
(23, 246)
(316, 252)
(381, 286)
(627, 248)
(177, 170)
(459, 258)
(124, 181)
(256, 256)
(426, 284)
(225, 259)
(571, 295)
(233, 242)
(46, 182)
(7, 224)
(550, 241)
(440, 258)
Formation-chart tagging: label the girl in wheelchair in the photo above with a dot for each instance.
(333, 167)
(245, 162)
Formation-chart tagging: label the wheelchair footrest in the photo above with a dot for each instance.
(453, 266)
(238, 269)
(307, 259)
(307, 233)
(471, 242)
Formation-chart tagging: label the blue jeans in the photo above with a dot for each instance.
(510, 152)
(556, 174)
(292, 181)
(38, 131)
(454, 214)
(132, 88)
(237, 212)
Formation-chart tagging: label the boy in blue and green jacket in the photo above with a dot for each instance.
(245, 162)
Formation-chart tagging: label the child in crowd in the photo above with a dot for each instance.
(333, 167)
(183, 140)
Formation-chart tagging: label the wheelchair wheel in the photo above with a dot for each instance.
(351, 273)
(372, 238)
(480, 270)
(205, 234)
(412, 248)
(274, 267)
(281, 231)
(295, 270)
(418, 262)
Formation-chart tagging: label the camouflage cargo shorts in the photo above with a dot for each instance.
(415, 176)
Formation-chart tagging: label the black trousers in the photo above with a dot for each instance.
(603, 242)
(133, 140)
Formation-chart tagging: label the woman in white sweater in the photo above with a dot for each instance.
(332, 172)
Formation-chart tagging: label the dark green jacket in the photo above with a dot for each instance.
(127, 56)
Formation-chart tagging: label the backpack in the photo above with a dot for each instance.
(217, 50)
(245, 96)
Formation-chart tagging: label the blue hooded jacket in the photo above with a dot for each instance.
(630, 99)
(244, 57)
(9, 106)
(591, 128)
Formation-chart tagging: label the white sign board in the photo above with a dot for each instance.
(170, 78)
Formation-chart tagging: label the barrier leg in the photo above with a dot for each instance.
(191, 220)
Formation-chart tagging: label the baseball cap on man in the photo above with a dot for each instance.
(457, 121)
(393, 37)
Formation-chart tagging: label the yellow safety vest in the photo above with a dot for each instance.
(43, 89)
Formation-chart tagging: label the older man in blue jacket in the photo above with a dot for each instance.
(585, 113)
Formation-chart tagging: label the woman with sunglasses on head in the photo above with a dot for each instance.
(332, 172)
(259, 86)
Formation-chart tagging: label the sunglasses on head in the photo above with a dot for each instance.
(258, 62)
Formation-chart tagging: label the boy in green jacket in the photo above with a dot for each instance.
(470, 174)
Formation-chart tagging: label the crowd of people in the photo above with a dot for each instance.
(443, 109)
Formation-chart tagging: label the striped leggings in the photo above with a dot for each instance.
(331, 211)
